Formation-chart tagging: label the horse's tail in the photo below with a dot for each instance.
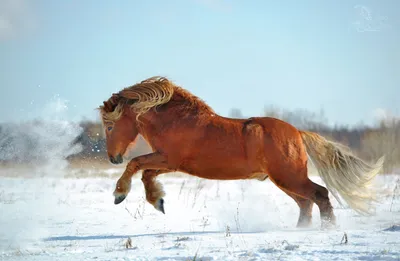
(342, 172)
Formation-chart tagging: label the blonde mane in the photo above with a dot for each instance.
(144, 96)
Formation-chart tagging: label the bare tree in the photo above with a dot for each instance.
(301, 118)
(384, 141)
(236, 113)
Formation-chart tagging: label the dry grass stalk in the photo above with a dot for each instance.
(344, 239)
(128, 243)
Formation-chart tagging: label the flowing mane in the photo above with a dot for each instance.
(146, 95)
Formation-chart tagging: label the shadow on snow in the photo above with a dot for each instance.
(99, 237)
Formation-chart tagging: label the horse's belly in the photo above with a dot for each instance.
(218, 169)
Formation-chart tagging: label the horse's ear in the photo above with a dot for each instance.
(115, 98)
(107, 106)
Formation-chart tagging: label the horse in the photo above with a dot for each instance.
(186, 135)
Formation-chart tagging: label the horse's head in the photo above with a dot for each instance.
(120, 127)
(120, 113)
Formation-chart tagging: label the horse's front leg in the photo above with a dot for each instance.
(150, 161)
(153, 188)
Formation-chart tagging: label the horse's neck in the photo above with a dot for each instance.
(155, 122)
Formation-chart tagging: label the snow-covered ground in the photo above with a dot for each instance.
(67, 218)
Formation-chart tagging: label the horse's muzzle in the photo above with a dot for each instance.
(116, 160)
(118, 199)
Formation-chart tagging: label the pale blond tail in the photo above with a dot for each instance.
(343, 173)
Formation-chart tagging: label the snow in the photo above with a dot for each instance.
(64, 217)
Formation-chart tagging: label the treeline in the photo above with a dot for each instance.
(367, 142)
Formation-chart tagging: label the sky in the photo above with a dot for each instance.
(342, 57)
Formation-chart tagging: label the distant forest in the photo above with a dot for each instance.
(367, 142)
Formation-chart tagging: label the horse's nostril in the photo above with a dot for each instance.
(116, 160)
(112, 159)
(119, 159)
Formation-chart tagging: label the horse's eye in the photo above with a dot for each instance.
(109, 128)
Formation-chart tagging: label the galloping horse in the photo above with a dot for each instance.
(186, 135)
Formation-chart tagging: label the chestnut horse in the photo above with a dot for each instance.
(186, 135)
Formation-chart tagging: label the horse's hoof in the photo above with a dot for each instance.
(160, 205)
(119, 199)
(328, 225)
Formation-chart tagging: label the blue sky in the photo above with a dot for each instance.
(339, 56)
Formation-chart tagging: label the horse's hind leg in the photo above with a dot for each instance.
(153, 188)
(321, 198)
(306, 206)
(303, 187)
